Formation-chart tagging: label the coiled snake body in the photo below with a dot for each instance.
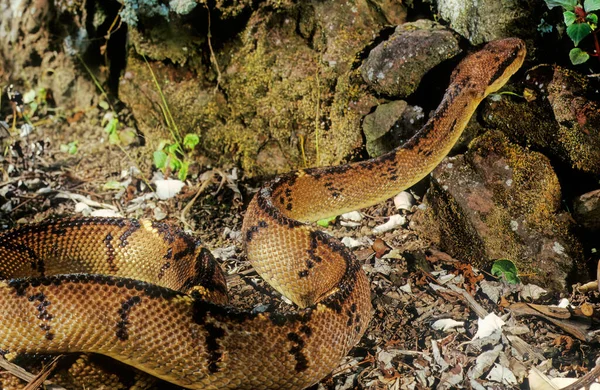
(148, 295)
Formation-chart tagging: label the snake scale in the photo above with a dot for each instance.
(150, 296)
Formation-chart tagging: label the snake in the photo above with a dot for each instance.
(152, 297)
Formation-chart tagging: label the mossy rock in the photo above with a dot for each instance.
(501, 201)
(396, 66)
(561, 119)
(486, 20)
(289, 95)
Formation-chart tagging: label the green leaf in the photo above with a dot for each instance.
(506, 270)
(174, 163)
(111, 127)
(160, 159)
(183, 171)
(32, 108)
(569, 5)
(578, 56)
(578, 31)
(592, 18)
(113, 138)
(112, 185)
(103, 105)
(171, 148)
(569, 17)
(325, 221)
(191, 140)
(72, 147)
(591, 5)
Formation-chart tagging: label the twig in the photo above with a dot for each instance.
(23, 374)
(585, 381)
(203, 186)
(213, 57)
(318, 113)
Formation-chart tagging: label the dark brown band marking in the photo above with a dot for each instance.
(134, 225)
(123, 313)
(297, 351)
(110, 253)
(213, 334)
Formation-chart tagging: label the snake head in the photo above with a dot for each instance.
(488, 69)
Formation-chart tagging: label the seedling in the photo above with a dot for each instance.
(581, 21)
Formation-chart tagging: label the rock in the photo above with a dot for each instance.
(501, 201)
(347, 27)
(395, 67)
(561, 121)
(586, 210)
(27, 31)
(390, 125)
(286, 81)
(486, 20)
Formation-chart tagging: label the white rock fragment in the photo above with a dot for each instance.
(531, 291)
(351, 219)
(105, 213)
(564, 303)
(394, 222)
(558, 248)
(406, 288)
(80, 207)
(159, 214)
(502, 375)
(351, 242)
(446, 324)
(488, 325)
(168, 188)
(404, 201)
(25, 130)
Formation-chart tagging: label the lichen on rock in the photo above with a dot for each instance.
(562, 121)
(290, 97)
(498, 201)
(487, 20)
(395, 67)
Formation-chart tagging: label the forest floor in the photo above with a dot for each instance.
(427, 306)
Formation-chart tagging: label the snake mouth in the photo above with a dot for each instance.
(509, 55)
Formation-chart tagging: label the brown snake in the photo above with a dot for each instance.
(150, 296)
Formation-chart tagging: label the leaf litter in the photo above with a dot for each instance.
(437, 323)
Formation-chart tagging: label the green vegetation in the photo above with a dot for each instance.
(581, 21)
(171, 154)
(506, 270)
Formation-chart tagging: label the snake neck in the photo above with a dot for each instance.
(428, 147)
(339, 189)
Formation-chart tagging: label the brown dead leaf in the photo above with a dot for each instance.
(380, 247)
(567, 341)
(433, 256)
(76, 117)
(466, 270)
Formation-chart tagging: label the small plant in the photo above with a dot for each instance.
(581, 21)
(70, 148)
(170, 155)
(506, 270)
